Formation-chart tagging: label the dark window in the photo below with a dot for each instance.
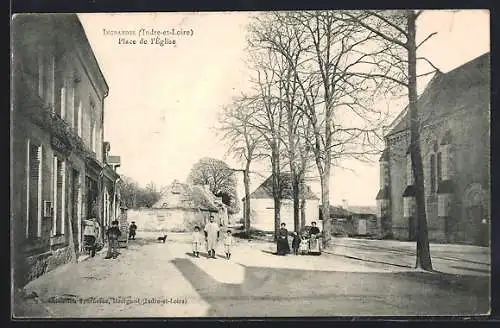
(34, 169)
(433, 172)
(439, 175)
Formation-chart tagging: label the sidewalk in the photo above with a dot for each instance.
(446, 258)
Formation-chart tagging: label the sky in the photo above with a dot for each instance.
(163, 101)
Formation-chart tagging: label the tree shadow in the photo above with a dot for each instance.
(268, 252)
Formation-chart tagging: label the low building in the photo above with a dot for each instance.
(262, 205)
(454, 114)
(354, 221)
(180, 208)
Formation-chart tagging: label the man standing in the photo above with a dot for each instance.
(211, 236)
(113, 234)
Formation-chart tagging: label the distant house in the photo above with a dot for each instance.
(180, 208)
(354, 221)
(262, 205)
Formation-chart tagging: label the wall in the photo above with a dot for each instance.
(262, 213)
(397, 164)
(471, 158)
(38, 255)
(175, 220)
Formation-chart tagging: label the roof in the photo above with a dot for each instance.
(465, 87)
(363, 209)
(265, 190)
(340, 212)
(181, 195)
(383, 193)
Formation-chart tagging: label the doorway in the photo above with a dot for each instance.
(362, 230)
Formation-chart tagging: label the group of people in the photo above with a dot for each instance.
(304, 243)
(212, 235)
(93, 241)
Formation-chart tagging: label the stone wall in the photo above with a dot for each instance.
(158, 219)
(39, 264)
(471, 153)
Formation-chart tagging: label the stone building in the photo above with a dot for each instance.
(57, 124)
(454, 117)
(180, 207)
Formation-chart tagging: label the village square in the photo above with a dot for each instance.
(317, 163)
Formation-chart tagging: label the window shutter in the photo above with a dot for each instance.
(63, 102)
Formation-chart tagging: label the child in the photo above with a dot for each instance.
(228, 241)
(295, 243)
(113, 234)
(197, 240)
(132, 231)
(304, 245)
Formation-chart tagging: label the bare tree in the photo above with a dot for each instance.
(330, 50)
(267, 118)
(243, 143)
(399, 28)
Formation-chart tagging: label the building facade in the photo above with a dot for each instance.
(57, 129)
(262, 205)
(454, 113)
(180, 208)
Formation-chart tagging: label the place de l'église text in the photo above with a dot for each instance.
(146, 36)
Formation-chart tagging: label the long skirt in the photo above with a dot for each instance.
(282, 246)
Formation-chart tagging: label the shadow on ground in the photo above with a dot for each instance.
(279, 292)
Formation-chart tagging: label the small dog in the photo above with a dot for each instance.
(162, 238)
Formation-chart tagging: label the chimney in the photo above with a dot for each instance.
(345, 206)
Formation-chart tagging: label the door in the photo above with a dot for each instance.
(362, 227)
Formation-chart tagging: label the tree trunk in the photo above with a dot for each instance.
(296, 200)
(276, 191)
(423, 253)
(246, 181)
(325, 204)
(302, 201)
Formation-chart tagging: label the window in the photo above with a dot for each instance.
(92, 136)
(44, 78)
(433, 173)
(55, 193)
(33, 190)
(63, 101)
(439, 167)
(70, 113)
(52, 82)
(408, 206)
(40, 74)
(76, 111)
(79, 117)
(60, 212)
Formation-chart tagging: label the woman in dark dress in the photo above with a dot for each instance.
(282, 244)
